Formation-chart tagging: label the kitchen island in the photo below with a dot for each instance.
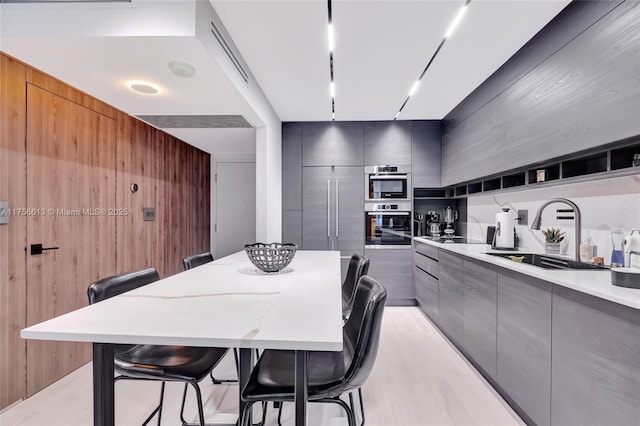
(561, 346)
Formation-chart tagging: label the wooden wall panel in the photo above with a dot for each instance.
(83, 154)
(46, 82)
(70, 176)
(173, 177)
(12, 236)
(583, 96)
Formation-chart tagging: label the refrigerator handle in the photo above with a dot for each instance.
(328, 208)
(337, 211)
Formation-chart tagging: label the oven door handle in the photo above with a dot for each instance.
(387, 177)
(388, 213)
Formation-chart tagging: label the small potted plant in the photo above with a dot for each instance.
(552, 239)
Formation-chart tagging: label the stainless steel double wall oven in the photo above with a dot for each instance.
(388, 218)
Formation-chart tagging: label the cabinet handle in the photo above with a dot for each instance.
(337, 212)
(328, 208)
(38, 249)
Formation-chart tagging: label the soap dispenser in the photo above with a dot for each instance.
(586, 249)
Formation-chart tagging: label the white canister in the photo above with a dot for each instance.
(505, 229)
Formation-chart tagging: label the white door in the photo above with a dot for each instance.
(235, 207)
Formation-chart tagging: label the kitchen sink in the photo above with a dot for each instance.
(549, 262)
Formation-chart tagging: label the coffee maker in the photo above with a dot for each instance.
(433, 224)
(450, 216)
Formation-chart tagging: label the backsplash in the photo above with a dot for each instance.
(606, 205)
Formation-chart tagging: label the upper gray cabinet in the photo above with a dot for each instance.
(333, 144)
(292, 166)
(387, 142)
(426, 144)
(579, 97)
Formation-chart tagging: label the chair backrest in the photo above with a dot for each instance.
(118, 284)
(197, 260)
(358, 266)
(362, 330)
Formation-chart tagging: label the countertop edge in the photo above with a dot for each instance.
(600, 287)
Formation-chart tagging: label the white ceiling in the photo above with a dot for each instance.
(381, 48)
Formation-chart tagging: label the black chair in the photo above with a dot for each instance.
(193, 261)
(156, 362)
(330, 374)
(197, 260)
(358, 266)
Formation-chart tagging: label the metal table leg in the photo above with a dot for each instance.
(103, 384)
(246, 363)
(301, 388)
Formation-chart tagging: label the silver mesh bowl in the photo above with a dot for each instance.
(271, 257)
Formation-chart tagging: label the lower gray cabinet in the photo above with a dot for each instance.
(480, 313)
(451, 296)
(596, 361)
(392, 268)
(524, 344)
(426, 288)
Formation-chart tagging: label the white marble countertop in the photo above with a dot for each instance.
(226, 303)
(595, 283)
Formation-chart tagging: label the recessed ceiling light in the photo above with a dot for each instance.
(182, 69)
(143, 87)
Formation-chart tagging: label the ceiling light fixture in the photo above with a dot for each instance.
(332, 87)
(456, 21)
(450, 30)
(182, 69)
(331, 39)
(143, 87)
(414, 88)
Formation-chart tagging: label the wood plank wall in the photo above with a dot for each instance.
(13, 236)
(573, 87)
(173, 178)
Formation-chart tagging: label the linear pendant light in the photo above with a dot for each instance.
(332, 84)
(447, 35)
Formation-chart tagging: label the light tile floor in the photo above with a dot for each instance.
(419, 379)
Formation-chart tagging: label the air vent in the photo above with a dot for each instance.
(230, 54)
(196, 121)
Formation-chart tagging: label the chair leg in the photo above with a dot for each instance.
(347, 409)
(280, 414)
(198, 400)
(220, 381)
(361, 405)
(244, 418)
(157, 410)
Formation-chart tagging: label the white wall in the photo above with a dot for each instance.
(268, 130)
(605, 204)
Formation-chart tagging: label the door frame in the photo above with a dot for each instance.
(215, 159)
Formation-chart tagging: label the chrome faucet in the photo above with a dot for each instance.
(577, 220)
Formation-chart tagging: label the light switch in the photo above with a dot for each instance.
(148, 214)
(4, 212)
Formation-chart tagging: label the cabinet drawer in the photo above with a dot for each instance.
(426, 250)
(426, 288)
(426, 263)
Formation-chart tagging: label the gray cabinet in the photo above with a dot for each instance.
(292, 227)
(480, 313)
(595, 362)
(580, 96)
(292, 166)
(425, 278)
(332, 209)
(451, 296)
(333, 144)
(524, 343)
(387, 142)
(392, 268)
(426, 144)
